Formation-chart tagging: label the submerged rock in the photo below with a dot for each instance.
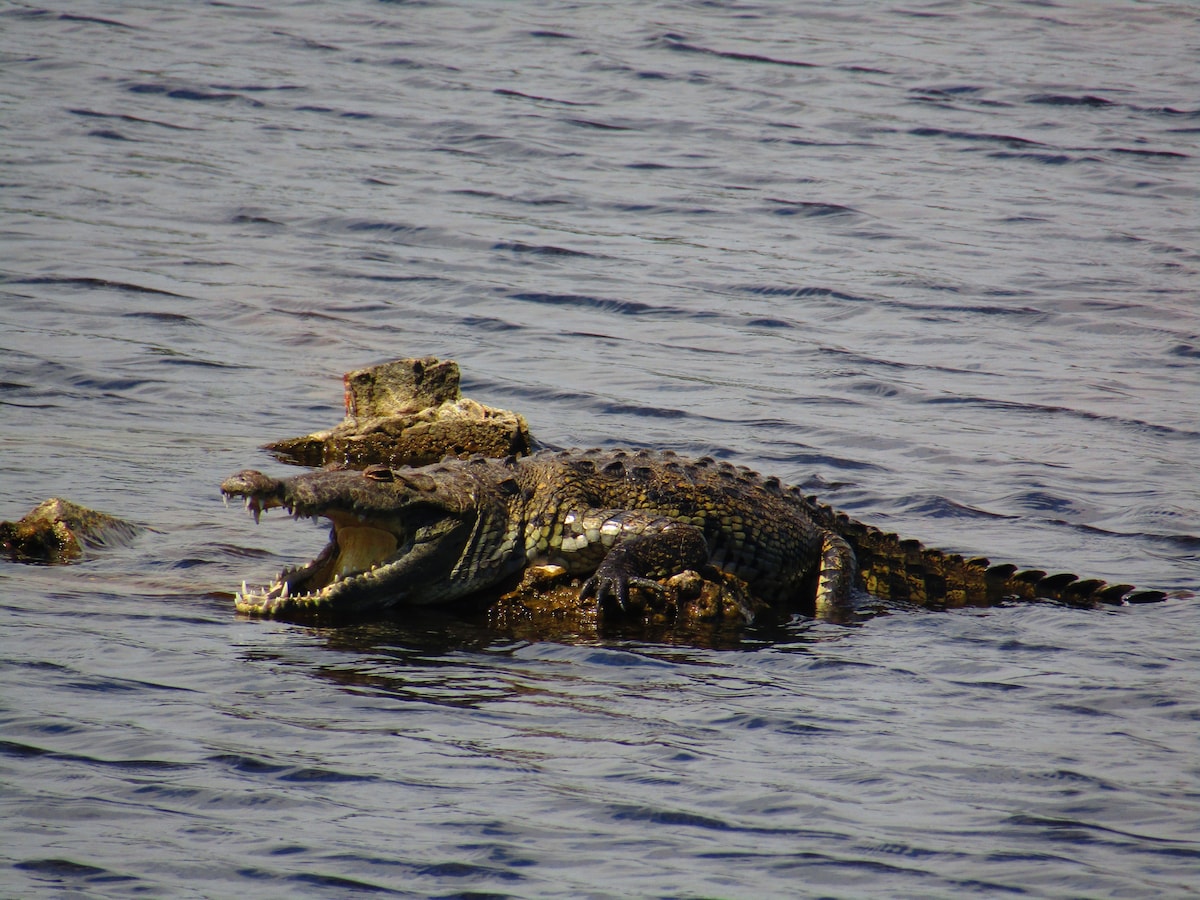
(546, 601)
(59, 531)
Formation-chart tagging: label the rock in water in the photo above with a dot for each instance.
(409, 412)
(59, 531)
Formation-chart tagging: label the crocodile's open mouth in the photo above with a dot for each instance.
(353, 551)
(390, 545)
(351, 564)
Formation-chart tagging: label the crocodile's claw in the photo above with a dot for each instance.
(612, 582)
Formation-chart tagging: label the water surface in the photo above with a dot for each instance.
(935, 261)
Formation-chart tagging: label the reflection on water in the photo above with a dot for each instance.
(936, 264)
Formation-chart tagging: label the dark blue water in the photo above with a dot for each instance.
(939, 261)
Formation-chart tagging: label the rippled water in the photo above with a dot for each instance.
(937, 261)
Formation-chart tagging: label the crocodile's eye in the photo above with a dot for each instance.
(378, 473)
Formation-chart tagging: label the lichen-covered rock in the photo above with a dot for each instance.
(59, 531)
(401, 387)
(408, 413)
(547, 600)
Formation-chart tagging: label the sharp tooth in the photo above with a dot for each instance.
(286, 591)
(244, 588)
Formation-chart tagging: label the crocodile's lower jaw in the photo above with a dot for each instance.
(354, 563)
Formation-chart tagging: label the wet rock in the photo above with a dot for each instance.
(546, 601)
(401, 387)
(409, 412)
(59, 531)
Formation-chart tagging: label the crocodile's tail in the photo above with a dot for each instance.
(906, 571)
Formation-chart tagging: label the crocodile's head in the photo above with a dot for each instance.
(397, 538)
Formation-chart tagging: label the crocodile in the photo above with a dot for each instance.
(620, 521)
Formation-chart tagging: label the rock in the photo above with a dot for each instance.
(59, 531)
(548, 598)
(401, 387)
(409, 412)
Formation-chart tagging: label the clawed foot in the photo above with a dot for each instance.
(664, 551)
(611, 583)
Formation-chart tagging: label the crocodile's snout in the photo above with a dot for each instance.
(261, 491)
(249, 483)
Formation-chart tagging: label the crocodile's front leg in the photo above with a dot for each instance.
(659, 553)
(623, 548)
